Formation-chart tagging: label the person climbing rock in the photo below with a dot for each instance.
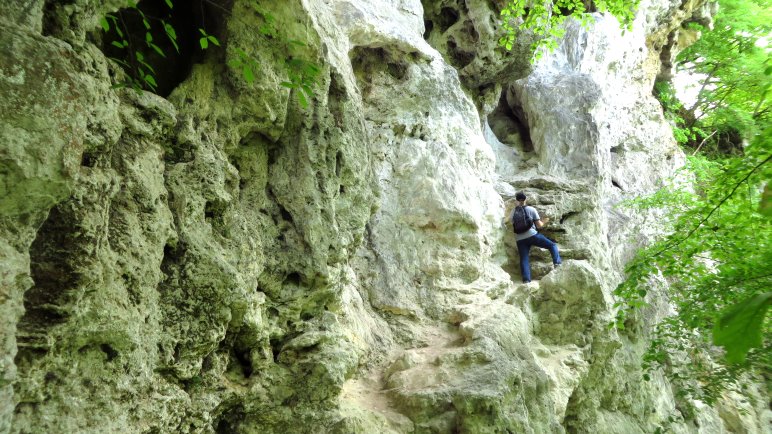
(525, 220)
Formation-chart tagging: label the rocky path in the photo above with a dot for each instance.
(487, 357)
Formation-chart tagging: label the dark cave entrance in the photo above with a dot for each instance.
(149, 30)
(509, 119)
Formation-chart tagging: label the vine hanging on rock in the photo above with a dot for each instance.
(138, 52)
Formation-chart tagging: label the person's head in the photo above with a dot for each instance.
(520, 197)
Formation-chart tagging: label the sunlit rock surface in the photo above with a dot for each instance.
(227, 259)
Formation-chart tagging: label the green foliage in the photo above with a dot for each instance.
(733, 60)
(206, 38)
(545, 19)
(140, 74)
(717, 257)
(673, 109)
(244, 63)
(302, 75)
(739, 328)
(717, 253)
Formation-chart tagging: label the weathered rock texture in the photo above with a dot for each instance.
(228, 260)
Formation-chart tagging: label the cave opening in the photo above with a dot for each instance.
(509, 123)
(161, 41)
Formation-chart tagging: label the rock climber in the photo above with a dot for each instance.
(526, 220)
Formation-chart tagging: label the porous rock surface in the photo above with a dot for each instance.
(229, 260)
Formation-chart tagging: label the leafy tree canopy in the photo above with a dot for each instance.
(733, 59)
(717, 259)
(716, 256)
(545, 19)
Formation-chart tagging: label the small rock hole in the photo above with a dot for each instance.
(285, 214)
(244, 360)
(397, 70)
(446, 19)
(109, 352)
(276, 345)
(293, 279)
(567, 215)
(88, 160)
(459, 57)
(338, 163)
(428, 26)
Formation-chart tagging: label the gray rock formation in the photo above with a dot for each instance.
(226, 259)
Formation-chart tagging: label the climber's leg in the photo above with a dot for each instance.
(545, 243)
(524, 249)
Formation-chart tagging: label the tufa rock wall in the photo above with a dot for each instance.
(227, 260)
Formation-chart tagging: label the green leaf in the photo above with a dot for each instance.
(214, 40)
(105, 24)
(204, 42)
(150, 80)
(172, 35)
(249, 76)
(121, 62)
(145, 64)
(169, 3)
(157, 49)
(303, 100)
(170, 30)
(739, 327)
(148, 37)
(117, 44)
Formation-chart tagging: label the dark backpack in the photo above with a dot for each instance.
(521, 220)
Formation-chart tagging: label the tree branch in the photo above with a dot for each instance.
(703, 142)
(705, 219)
(748, 279)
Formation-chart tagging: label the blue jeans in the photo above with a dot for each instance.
(524, 249)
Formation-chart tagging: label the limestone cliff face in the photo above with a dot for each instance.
(228, 260)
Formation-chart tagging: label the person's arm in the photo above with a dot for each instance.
(537, 220)
(540, 223)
